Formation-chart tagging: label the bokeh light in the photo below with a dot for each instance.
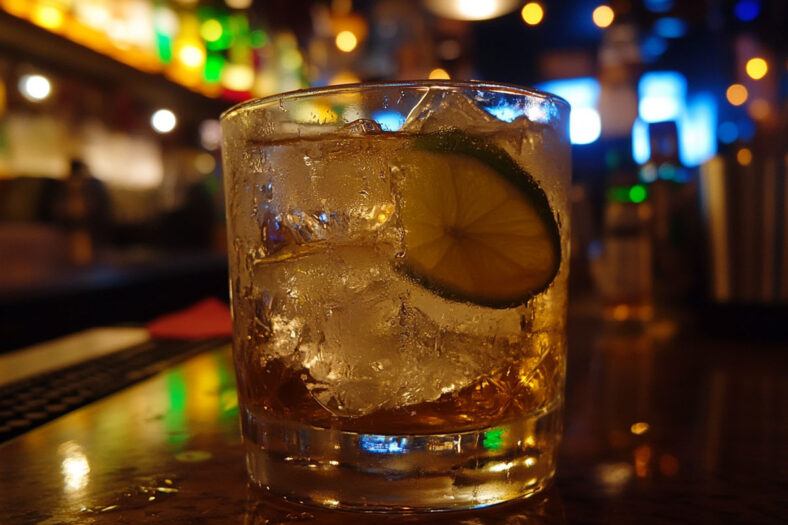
(585, 126)
(744, 156)
(532, 13)
(736, 94)
(670, 27)
(346, 41)
(344, 77)
(439, 74)
(238, 4)
(757, 68)
(603, 16)
(238, 77)
(211, 30)
(638, 194)
(205, 163)
(210, 134)
(47, 16)
(191, 56)
(35, 88)
(163, 121)
(728, 132)
(759, 109)
(658, 6)
(747, 10)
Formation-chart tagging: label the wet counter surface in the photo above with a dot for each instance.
(660, 428)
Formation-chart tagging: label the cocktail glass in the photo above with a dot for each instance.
(398, 271)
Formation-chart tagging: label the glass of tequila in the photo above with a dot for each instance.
(398, 273)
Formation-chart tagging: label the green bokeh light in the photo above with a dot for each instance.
(637, 193)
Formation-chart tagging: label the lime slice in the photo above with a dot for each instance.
(477, 226)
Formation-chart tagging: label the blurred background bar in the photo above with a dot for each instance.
(111, 203)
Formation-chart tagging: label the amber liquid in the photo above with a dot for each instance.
(518, 389)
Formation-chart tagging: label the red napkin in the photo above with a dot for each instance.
(208, 318)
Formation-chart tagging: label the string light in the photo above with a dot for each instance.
(603, 16)
(532, 13)
(757, 68)
(192, 56)
(737, 94)
(47, 16)
(346, 41)
(238, 77)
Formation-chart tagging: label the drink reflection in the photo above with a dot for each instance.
(630, 397)
(543, 509)
(74, 467)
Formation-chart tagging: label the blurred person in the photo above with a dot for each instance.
(83, 208)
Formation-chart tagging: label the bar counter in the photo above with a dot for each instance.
(663, 425)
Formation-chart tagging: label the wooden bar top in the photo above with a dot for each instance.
(661, 427)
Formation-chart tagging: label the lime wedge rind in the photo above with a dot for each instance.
(459, 144)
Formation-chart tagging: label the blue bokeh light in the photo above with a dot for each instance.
(747, 10)
(641, 147)
(652, 48)
(670, 27)
(697, 130)
(579, 92)
(728, 132)
(658, 6)
(585, 125)
(661, 95)
(389, 120)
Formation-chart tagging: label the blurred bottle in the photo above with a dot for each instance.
(623, 273)
(622, 268)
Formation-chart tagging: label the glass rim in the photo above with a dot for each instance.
(493, 87)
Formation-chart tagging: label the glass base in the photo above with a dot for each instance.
(387, 473)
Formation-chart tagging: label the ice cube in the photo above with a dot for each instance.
(361, 127)
(441, 109)
(336, 189)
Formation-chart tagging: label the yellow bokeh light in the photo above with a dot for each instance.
(205, 163)
(238, 4)
(744, 156)
(16, 7)
(344, 77)
(737, 94)
(211, 30)
(439, 74)
(346, 41)
(639, 428)
(238, 77)
(603, 16)
(191, 56)
(47, 16)
(291, 59)
(532, 13)
(757, 68)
